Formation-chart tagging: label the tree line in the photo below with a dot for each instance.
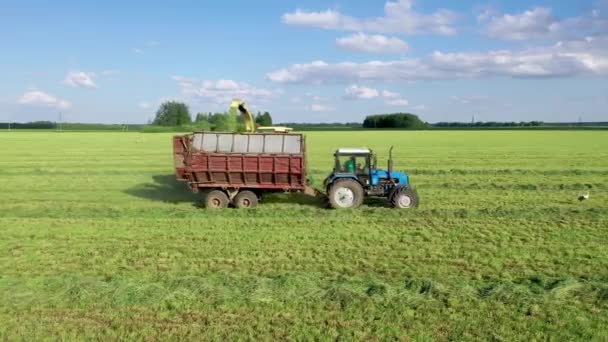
(177, 114)
(70, 126)
(395, 120)
(489, 124)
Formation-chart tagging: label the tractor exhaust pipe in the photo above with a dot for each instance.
(390, 162)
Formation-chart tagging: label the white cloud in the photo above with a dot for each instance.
(317, 107)
(153, 43)
(399, 17)
(398, 102)
(137, 51)
(485, 13)
(536, 23)
(328, 19)
(39, 98)
(565, 59)
(541, 23)
(360, 92)
(145, 105)
(226, 85)
(420, 107)
(222, 91)
(372, 43)
(390, 95)
(472, 99)
(80, 79)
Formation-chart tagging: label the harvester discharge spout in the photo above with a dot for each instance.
(245, 114)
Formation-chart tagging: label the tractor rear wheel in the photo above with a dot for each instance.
(346, 193)
(404, 198)
(245, 200)
(216, 199)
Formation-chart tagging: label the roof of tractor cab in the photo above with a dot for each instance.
(356, 150)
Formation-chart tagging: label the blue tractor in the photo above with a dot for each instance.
(356, 176)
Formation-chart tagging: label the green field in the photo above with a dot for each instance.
(98, 241)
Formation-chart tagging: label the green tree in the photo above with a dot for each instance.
(397, 120)
(225, 122)
(202, 122)
(263, 119)
(202, 117)
(172, 113)
(257, 118)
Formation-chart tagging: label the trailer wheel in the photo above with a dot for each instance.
(345, 193)
(404, 198)
(245, 200)
(216, 199)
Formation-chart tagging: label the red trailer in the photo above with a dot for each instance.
(236, 168)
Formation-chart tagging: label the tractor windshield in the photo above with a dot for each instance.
(352, 164)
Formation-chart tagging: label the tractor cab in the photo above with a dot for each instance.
(354, 162)
(355, 175)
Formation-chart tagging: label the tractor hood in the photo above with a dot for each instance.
(401, 177)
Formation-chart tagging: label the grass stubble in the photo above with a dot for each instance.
(98, 241)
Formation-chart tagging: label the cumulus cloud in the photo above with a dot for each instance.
(144, 105)
(39, 98)
(420, 107)
(470, 99)
(536, 23)
(484, 13)
(398, 102)
(390, 95)
(541, 23)
(80, 79)
(565, 59)
(399, 17)
(317, 107)
(222, 91)
(371, 43)
(355, 92)
(360, 92)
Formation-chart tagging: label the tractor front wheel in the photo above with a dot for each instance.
(346, 193)
(404, 198)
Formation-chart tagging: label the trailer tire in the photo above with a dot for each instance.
(404, 198)
(245, 200)
(345, 194)
(216, 199)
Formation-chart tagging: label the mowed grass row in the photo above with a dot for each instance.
(98, 241)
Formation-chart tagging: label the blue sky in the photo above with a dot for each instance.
(308, 61)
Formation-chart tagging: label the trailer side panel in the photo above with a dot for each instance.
(235, 161)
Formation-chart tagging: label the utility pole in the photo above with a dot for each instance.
(60, 121)
(9, 126)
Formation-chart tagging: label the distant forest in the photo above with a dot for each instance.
(323, 126)
(174, 116)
